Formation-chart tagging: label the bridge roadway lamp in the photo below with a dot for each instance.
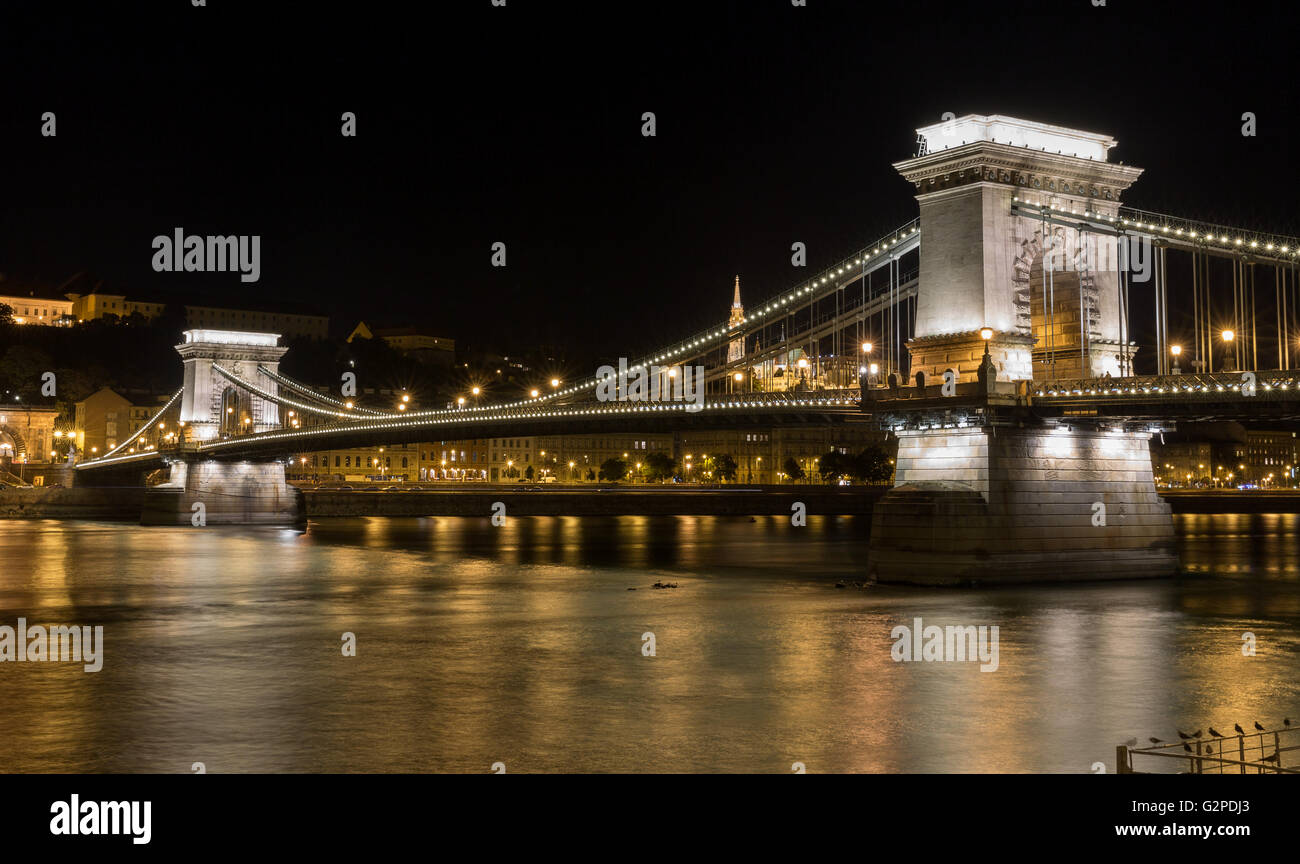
(866, 347)
(1177, 351)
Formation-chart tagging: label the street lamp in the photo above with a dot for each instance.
(533, 392)
(1177, 351)
(866, 347)
(1229, 362)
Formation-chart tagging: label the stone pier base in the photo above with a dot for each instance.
(1007, 505)
(231, 493)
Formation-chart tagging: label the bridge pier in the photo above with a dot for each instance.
(231, 493)
(1001, 504)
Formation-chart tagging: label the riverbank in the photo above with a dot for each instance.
(125, 503)
(86, 502)
(1232, 500)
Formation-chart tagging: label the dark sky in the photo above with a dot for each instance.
(523, 124)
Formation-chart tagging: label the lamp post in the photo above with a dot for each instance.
(1229, 362)
(1177, 351)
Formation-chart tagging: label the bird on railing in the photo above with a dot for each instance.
(1274, 758)
(1215, 733)
(1286, 721)
(1155, 741)
(1196, 734)
(1182, 734)
(1187, 747)
(1258, 728)
(1131, 743)
(1237, 726)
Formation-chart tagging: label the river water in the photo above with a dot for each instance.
(522, 645)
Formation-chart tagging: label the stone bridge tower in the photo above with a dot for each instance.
(212, 406)
(986, 261)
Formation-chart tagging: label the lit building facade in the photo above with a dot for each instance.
(33, 309)
(105, 418)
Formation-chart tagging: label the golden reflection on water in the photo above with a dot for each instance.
(523, 644)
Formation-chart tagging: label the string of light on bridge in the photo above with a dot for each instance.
(848, 400)
(1185, 229)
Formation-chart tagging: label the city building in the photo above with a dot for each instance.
(39, 310)
(106, 417)
(88, 307)
(465, 459)
(1224, 455)
(277, 318)
(413, 342)
(27, 433)
(386, 463)
(82, 298)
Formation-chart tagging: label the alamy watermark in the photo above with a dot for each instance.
(950, 644)
(1134, 250)
(210, 254)
(651, 384)
(53, 643)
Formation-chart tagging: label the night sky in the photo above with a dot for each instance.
(523, 125)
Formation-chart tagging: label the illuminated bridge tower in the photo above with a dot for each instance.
(985, 490)
(213, 406)
(1050, 293)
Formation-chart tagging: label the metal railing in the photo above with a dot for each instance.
(1261, 752)
(1281, 384)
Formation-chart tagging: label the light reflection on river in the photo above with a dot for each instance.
(523, 645)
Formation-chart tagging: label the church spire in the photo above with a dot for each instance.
(736, 349)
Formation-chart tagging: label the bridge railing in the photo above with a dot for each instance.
(1278, 384)
(1217, 238)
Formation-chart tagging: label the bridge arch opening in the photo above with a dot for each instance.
(236, 411)
(12, 444)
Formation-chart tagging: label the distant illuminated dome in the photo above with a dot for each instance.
(1001, 129)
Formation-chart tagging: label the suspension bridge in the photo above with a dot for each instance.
(993, 335)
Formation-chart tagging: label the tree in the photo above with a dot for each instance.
(792, 469)
(724, 466)
(873, 465)
(6, 315)
(21, 368)
(834, 465)
(659, 465)
(613, 469)
(528, 473)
